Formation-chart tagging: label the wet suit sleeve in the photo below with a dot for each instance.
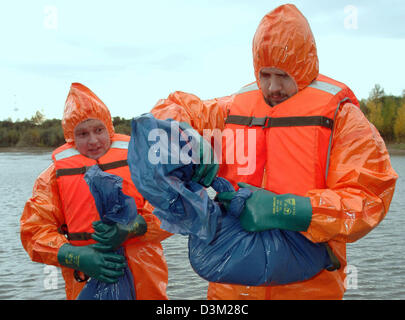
(41, 218)
(360, 182)
(154, 233)
(200, 114)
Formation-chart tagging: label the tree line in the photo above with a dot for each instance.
(41, 132)
(386, 112)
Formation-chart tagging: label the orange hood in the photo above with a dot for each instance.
(284, 40)
(82, 104)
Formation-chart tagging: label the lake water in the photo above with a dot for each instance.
(376, 262)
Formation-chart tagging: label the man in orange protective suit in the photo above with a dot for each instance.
(314, 163)
(60, 222)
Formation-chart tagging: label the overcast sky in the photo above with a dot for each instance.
(133, 53)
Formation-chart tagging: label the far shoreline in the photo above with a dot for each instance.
(396, 148)
(27, 149)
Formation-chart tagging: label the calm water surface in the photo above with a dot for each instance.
(377, 263)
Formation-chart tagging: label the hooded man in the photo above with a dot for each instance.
(311, 146)
(60, 222)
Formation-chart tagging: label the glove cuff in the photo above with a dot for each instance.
(68, 257)
(265, 211)
(301, 211)
(291, 212)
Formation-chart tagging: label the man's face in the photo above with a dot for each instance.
(276, 85)
(92, 139)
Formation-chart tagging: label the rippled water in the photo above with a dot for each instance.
(377, 263)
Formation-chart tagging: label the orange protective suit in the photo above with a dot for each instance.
(360, 181)
(44, 212)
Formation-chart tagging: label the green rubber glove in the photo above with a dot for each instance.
(106, 267)
(207, 169)
(265, 210)
(112, 236)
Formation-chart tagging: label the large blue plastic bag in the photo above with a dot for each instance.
(113, 207)
(271, 257)
(220, 250)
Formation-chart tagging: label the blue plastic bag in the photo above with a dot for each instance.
(220, 250)
(113, 207)
(181, 204)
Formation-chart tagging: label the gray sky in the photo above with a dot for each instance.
(133, 53)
